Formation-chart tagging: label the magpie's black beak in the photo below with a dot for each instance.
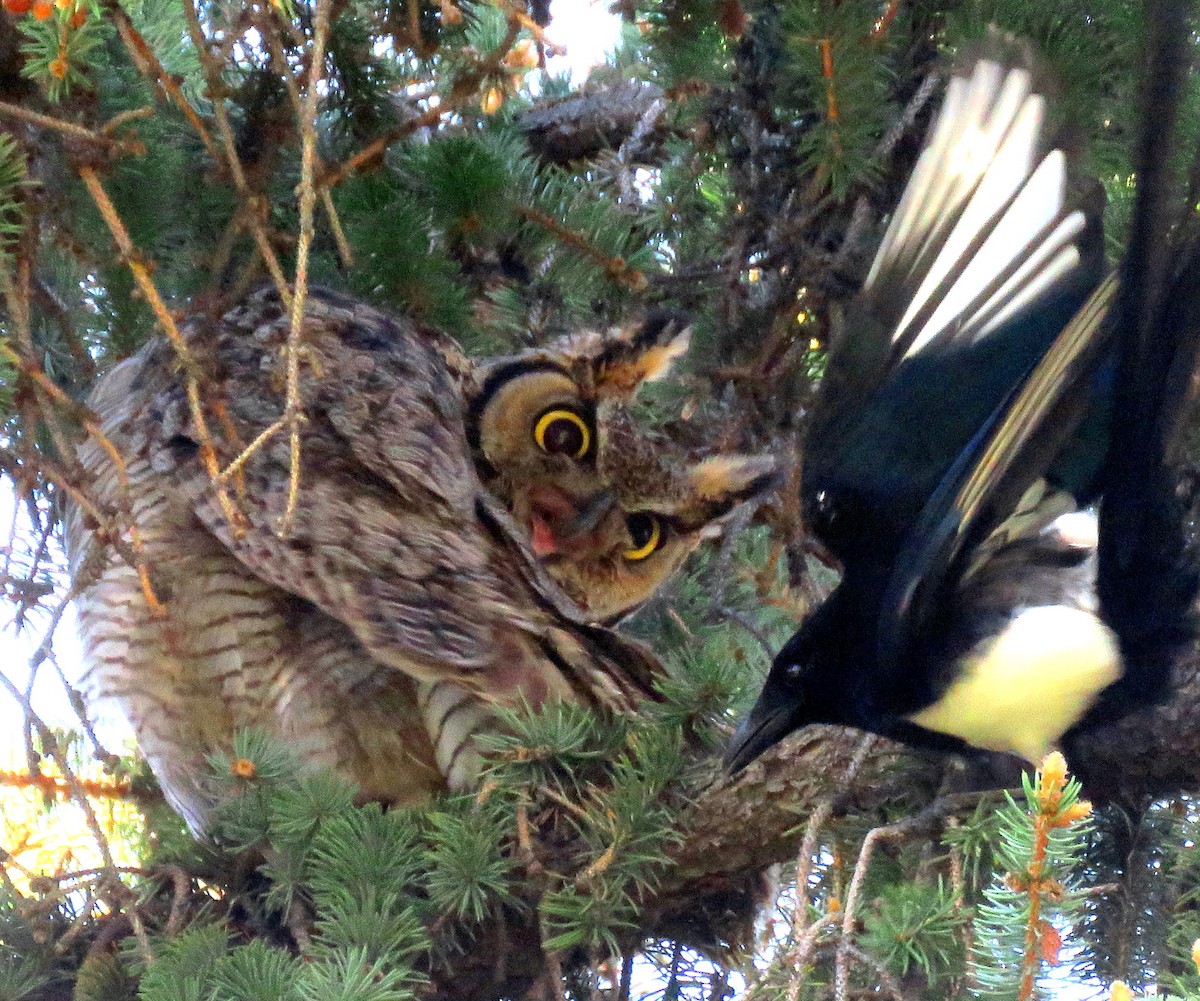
(762, 729)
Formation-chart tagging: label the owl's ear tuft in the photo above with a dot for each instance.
(641, 353)
(722, 482)
(733, 476)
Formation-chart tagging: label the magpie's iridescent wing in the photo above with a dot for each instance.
(1008, 454)
(988, 255)
(986, 372)
(1148, 577)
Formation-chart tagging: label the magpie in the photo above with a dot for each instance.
(993, 382)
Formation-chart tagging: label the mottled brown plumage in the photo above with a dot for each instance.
(404, 600)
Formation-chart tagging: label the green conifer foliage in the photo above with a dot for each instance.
(737, 159)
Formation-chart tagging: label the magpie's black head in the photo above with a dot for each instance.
(802, 687)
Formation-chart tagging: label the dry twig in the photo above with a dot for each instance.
(166, 321)
(292, 412)
(213, 67)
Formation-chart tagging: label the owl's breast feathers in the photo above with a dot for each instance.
(399, 604)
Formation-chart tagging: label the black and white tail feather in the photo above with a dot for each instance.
(1149, 570)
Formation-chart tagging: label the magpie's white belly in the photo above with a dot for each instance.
(1023, 689)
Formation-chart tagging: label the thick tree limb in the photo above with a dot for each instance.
(593, 121)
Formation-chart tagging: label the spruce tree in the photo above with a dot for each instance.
(737, 159)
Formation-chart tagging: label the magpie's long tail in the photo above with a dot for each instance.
(1149, 575)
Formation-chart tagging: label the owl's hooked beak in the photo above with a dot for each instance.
(558, 522)
(591, 513)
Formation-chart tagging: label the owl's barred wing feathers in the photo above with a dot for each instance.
(391, 534)
(375, 638)
(226, 650)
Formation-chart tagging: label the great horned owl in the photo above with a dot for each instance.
(405, 599)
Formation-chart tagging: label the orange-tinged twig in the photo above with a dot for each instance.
(370, 153)
(135, 534)
(69, 776)
(598, 867)
(32, 371)
(148, 63)
(231, 432)
(522, 18)
(831, 105)
(1031, 961)
(17, 287)
(52, 786)
(617, 268)
(50, 471)
(885, 20)
(66, 128)
(345, 252)
(238, 464)
(292, 411)
(1042, 940)
(335, 222)
(252, 201)
(562, 801)
(141, 275)
(415, 38)
(124, 118)
(91, 426)
(525, 834)
(306, 111)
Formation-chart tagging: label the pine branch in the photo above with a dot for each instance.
(1040, 846)
(88, 136)
(616, 268)
(213, 69)
(148, 63)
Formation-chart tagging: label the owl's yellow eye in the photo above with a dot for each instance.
(646, 532)
(563, 432)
